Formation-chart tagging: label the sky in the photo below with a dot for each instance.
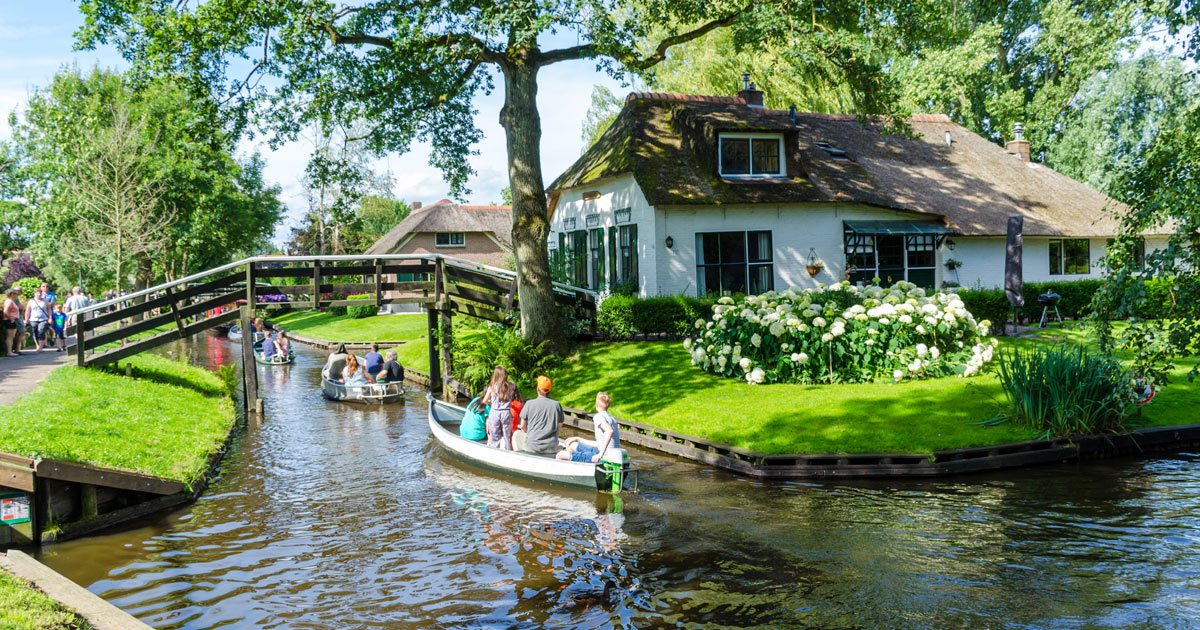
(37, 39)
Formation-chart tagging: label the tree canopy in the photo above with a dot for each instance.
(211, 207)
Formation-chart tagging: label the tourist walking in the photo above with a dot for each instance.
(76, 302)
(14, 326)
(499, 421)
(59, 325)
(37, 317)
(541, 419)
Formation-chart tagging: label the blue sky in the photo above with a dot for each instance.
(36, 39)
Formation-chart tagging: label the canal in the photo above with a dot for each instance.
(327, 515)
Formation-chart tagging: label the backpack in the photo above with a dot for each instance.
(474, 421)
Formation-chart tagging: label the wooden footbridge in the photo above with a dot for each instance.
(107, 332)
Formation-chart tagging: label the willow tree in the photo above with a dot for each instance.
(411, 69)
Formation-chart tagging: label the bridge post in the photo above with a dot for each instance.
(435, 364)
(445, 331)
(316, 285)
(80, 335)
(249, 371)
(378, 284)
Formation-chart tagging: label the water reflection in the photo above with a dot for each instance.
(335, 515)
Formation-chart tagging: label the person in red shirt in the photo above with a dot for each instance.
(515, 406)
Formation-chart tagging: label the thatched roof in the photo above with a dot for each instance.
(669, 144)
(447, 216)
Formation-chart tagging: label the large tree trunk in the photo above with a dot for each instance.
(531, 224)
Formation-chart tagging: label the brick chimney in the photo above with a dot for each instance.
(750, 92)
(416, 205)
(1018, 146)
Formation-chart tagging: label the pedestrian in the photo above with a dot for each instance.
(499, 421)
(37, 317)
(51, 301)
(14, 326)
(60, 327)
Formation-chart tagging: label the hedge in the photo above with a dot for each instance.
(624, 317)
(1075, 303)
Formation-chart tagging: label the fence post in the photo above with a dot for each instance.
(378, 284)
(80, 336)
(316, 285)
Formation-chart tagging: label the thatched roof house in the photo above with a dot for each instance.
(479, 233)
(727, 195)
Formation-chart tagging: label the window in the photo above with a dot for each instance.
(579, 271)
(627, 252)
(596, 257)
(892, 258)
(1070, 256)
(734, 262)
(450, 239)
(747, 155)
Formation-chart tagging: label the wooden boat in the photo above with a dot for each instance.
(235, 334)
(275, 359)
(612, 474)
(370, 393)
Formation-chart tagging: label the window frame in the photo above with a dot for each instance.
(750, 137)
(462, 237)
(627, 254)
(866, 246)
(1065, 268)
(749, 269)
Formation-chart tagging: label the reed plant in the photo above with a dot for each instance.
(1063, 390)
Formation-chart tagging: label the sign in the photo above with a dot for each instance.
(14, 508)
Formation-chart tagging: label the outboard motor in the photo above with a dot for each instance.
(613, 473)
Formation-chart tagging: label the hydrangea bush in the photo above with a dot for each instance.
(841, 334)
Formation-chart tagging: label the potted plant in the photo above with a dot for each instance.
(952, 263)
(815, 268)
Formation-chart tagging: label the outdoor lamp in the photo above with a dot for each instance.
(670, 242)
(950, 244)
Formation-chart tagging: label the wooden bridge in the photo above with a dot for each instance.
(109, 331)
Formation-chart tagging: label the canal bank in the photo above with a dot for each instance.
(335, 515)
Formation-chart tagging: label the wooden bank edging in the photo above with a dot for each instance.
(324, 344)
(99, 613)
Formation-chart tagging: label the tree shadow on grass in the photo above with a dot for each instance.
(171, 376)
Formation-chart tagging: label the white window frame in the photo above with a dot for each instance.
(751, 137)
(450, 238)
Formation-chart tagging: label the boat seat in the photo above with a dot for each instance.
(335, 365)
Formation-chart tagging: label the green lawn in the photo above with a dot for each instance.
(22, 607)
(345, 328)
(165, 420)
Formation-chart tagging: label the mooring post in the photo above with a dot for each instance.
(249, 371)
(87, 500)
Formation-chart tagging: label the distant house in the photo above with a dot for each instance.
(709, 194)
(479, 233)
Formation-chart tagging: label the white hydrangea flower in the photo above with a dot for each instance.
(906, 319)
(826, 337)
(687, 344)
(934, 352)
(920, 329)
(744, 363)
(870, 342)
(756, 340)
(898, 374)
(776, 329)
(819, 322)
(722, 360)
(756, 376)
(699, 323)
(922, 349)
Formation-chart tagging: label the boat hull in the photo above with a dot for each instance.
(369, 394)
(514, 463)
(275, 359)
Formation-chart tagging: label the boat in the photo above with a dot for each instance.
(275, 359)
(370, 393)
(612, 474)
(235, 334)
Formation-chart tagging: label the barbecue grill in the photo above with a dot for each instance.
(1049, 300)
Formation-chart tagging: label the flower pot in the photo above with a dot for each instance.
(815, 269)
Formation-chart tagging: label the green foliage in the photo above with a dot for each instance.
(28, 286)
(360, 312)
(24, 607)
(624, 316)
(231, 376)
(477, 355)
(218, 206)
(600, 115)
(991, 304)
(1063, 390)
(614, 317)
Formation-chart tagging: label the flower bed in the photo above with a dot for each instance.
(841, 334)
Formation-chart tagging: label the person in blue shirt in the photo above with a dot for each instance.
(373, 362)
(268, 346)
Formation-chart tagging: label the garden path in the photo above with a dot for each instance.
(20, 375)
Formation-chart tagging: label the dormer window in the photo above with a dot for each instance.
(750, 155)
(837, 154)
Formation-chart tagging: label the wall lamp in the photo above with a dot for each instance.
(670, 242)
(950, 244)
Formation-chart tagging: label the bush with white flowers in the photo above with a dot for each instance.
(841, 334)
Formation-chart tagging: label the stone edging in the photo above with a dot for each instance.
(99, 613)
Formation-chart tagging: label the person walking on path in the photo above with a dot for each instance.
(499, 421)
(541, 419)
(59, 324)
(14, 326)
(37, 317)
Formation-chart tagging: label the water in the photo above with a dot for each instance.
(328, 515)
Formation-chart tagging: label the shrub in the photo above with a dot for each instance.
(476, 357)
(1063, 390)
(614, 316)
(989, 304)
(841, 334)
(359, 312)
(623, 317)
(28, 286)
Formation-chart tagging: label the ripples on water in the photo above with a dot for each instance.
(333, 516)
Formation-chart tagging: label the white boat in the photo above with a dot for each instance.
(235, 334)
(369, 393)
(612, 474)
(274, 359)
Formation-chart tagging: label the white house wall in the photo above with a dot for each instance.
(983, 260)
(615, 193)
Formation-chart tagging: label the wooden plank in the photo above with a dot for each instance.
(17, 476)
(192, 291)
(414, 267)
(287, 272)
(107, 477)
(483, 297)
(406, 286)
(148, 324)
(348, 288)
(295, 289)
(470, 276)
(249, 366)
(435, 369)
(116, 517)
(512, 295)
(142, 345)
(420, 299)
(316, 285)
(477, 311)
(81, 339)
(175, 311)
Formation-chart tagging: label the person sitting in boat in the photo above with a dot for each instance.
(499, 421)
(541, 419)
(515, 406)
(353, 374)
(268, 347)
(283, 347)
(374, 362)
(392, 371)
(607, 436)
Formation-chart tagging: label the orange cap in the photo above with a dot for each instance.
(543, 383)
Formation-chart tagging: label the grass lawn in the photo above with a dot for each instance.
(401, 327)
(165, 420)
(22, 607)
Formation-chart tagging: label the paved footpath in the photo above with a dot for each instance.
(19, 375)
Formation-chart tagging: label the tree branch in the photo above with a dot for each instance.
(587, 51)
